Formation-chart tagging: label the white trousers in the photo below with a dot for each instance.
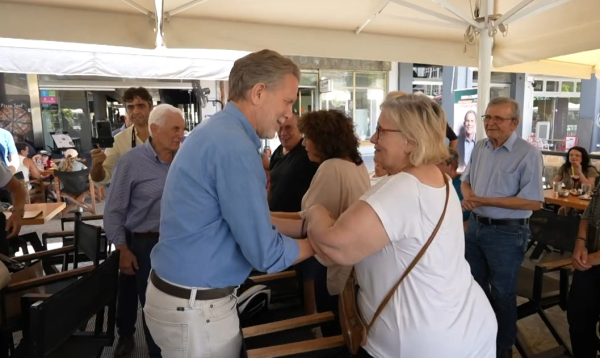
(186, 328)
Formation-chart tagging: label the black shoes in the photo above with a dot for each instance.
(124, 347)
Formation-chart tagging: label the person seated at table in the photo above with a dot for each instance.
(577, 167)
(43, 161)
(26, 164)
(71, 163)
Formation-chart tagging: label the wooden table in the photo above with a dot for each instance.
(49, 211)
(570, 201)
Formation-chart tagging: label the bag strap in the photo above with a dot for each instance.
(415, 260)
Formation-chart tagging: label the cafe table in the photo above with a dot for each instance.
(39, 214)
(571, 201)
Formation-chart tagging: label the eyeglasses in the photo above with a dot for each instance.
(496, 119)
(379, 130)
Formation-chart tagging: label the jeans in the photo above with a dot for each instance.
(187, 328)
(132, 287)
(495, 254)
(583, 312)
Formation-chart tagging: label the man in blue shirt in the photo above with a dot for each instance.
(502, 186)
(215, 221)
(10, 156)
(132, 216)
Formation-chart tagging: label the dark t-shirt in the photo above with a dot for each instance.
(450, 133)
(291, 175)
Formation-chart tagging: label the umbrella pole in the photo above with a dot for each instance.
(486, 42)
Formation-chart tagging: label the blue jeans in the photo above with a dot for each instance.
(132, 287)
(495, 254)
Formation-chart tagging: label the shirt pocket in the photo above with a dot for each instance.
(506, 184)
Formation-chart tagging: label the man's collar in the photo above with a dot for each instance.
(235, 112)
(508, 144)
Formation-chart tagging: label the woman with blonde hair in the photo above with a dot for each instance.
(70, 163)
(438, 308)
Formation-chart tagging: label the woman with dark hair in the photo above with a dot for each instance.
(577, 167)
(576, 171)
(340, 180)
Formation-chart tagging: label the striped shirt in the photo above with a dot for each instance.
(135, 194)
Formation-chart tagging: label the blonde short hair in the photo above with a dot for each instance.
(266, 66)
(395, 94)
(423, 122)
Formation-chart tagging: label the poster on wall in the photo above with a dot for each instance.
(465, 124)
(15, 116)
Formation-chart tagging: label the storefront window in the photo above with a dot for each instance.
(309, 79)
(554, 119)
(66, 112)
(362, 102)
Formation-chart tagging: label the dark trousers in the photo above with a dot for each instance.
(132, 288)
(495, 254)
(362, 354)
(583, 312)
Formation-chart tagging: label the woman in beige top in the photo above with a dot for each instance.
(341, 179)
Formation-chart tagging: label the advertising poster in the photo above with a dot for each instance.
(15, 116)
(466, 120)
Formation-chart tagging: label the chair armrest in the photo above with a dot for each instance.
(44, 254)
(44, 280)
(36, 297)
(273, 276)
(553, 265)
(285, 350)
(279, 326)
(83, 218)
(50, 235)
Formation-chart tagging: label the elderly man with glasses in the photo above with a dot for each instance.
(502, 186)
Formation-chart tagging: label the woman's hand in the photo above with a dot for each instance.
(580, 256)
(577, 167)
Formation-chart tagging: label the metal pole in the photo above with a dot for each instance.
(184, 7)
(484, 79)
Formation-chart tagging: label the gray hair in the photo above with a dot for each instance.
(500, 101)
(266, 66)
(453, 157)
(159, 114)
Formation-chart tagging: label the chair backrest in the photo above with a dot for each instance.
(54, 321)
(554, 230)
(74, 183)
(87, 239)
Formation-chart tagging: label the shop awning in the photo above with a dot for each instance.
(423, 31)
(101, 22)
(39, 57)
(578, 65)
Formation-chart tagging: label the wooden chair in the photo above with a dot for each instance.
(272, 332)
(77, 187)
(53, 324)
(536, 285)
(41, 285)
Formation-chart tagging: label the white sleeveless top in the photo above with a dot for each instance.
(439, 307)
(23, 168)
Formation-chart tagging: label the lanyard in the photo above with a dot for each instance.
(133, 143)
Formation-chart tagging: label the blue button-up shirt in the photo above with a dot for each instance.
(215, 223)
(135, 193)
(7, 145)
(511, 170)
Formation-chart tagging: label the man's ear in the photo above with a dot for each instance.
(257, 93)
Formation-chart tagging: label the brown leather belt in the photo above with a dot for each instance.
(185, 293)
(145, 235)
